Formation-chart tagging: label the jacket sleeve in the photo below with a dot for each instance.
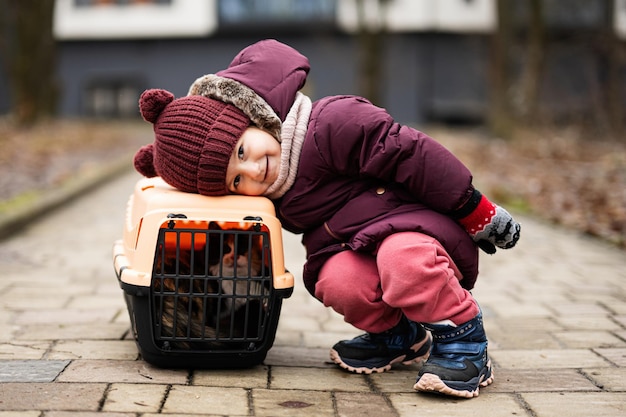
(361, 140)
(275, 71)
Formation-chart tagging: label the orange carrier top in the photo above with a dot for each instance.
(155, 205)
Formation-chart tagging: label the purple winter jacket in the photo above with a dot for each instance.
(361, 175)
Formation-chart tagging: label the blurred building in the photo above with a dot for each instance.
(434, 64)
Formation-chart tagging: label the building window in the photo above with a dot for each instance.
(112, 98)
(245, 13)
(91, 3)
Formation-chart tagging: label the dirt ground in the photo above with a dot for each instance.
(46, 155)
(560, 176)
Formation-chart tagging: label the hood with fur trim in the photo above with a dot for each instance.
(262, 81)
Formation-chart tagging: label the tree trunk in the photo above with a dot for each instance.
(500, 116)
(370, 40)
(614, 58)
(29, 54)
(533, 68)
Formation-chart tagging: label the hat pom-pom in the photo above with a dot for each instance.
(152, 102)
(144, 161)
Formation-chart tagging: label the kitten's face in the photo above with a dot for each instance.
(243, 258)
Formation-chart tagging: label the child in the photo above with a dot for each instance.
(390, 219)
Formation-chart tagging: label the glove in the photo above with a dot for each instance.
(490, 225)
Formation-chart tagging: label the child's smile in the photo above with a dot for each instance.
(254, 164)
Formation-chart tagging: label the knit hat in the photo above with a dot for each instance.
(194, 140)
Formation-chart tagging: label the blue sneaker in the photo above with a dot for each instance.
(458, 364)
(407, 342)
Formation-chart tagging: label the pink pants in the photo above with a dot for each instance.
(411, 273)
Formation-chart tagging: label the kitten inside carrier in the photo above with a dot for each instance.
(210, 286)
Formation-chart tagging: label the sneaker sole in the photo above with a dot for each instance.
(334, 356)
(431, 383)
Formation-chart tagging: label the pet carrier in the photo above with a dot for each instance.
(203, 277)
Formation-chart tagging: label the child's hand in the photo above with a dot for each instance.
(502, 231)
(491, 226)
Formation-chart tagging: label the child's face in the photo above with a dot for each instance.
(254, 164)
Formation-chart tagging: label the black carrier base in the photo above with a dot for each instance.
(161, 354)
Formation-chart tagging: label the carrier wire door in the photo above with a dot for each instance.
(211, 288)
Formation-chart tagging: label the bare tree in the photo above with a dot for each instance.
(370, 38)
(515, 98)
(28, 52)
(500, 117)
(533, 63)
(613, 53)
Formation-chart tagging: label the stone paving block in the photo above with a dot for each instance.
(620, 319)
(577, 309)
(587, 323)
(120, 371)
(326, 340)
(515, 339)
(190, 415)
(544, 296)
(489, 289)
(316, 379)
(85, 414)
(617, 306)
(337, 325)
(6, 321)
(51, 396)
(32, 413)
(613, 302)
(94, 349)
(289, 403)
(488, 313)
(530, 380)
(45, 285)
(256, 377)
(351, 404)
(289, 323)
(607, 278)
(108, 288)
(110, 302)
(34, 301)
(30, 370)
(16, 349)
(522, 324)
(121, 317)
(426, 405)
(60, 331)
(609, 379)
(64, 316)
(400, 378)
(301, 303)
(615, 355)
(297, 356)
(520, 309)
(547, 359)
(206, 400)
(603, 293)
(598, 404)
(588, 339)
(288, 338)
(137, 398)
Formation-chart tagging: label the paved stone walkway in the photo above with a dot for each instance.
(554, 308)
